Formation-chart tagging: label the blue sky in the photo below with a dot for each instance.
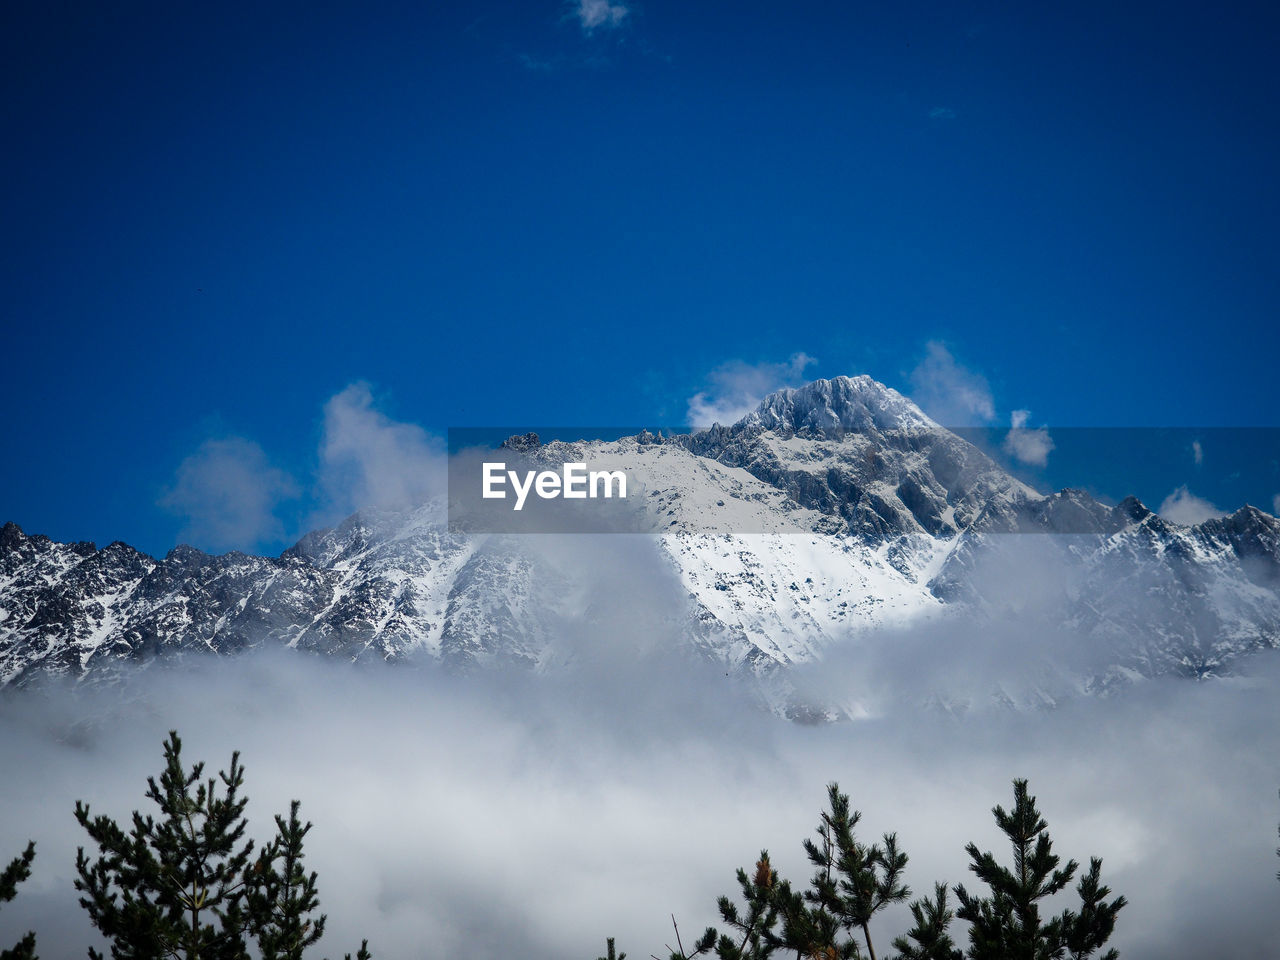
(217, 221)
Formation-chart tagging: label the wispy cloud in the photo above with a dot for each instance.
(598, 14)
(949, 392)
(536, 64)
(230, 495)
(1183, 506)
(1027, 445)
(1197, 452)
(942, 113)
(369, 460)
(736, 388)
(1275, 505)
(228, 492)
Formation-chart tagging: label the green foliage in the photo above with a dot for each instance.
(284, 895)
(1007, 924)
(701, 945)
(185, 885)
(753, 936)
(929, 939)
(852, 882)
(172, 886)
(1089, 929)
(610, 953)
(19, 869)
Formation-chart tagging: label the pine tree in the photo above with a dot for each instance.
(811, 922)
(284, 896)
(1007, 924)
(929, 939)
(754, 937)
(172, 886)
(19, 869)
(185, 885)
(700, 946)
(851, 883)
(1089, 929)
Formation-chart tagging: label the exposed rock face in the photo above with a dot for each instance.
(853, 448)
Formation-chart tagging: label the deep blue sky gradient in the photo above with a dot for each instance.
(215, 219)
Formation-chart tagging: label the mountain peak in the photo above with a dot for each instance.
(1250, 517)
(1133, 509)
(837, 406)
(1250, 512)
(11, 536)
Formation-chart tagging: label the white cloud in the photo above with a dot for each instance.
(736, 388)
(228, 492)
(369, 460)
(1275, 504)
(1028, 446)
(1183, 506)
(600, 13)
(1197, 452)
(950, 393)
(942, 113)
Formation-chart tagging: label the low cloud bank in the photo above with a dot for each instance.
(519, 815)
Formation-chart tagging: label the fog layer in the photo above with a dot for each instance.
(532, 816)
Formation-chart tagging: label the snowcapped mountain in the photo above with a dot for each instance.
(866, 515)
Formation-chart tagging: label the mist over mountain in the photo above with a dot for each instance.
(864, 525)
(591, 704)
